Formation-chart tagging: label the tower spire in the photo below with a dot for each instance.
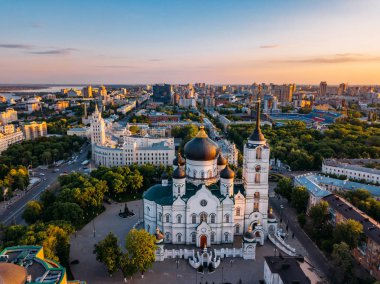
(257, 135)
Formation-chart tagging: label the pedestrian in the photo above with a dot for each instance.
(293, 235)
(287, 227)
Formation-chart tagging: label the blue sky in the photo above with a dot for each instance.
(189, 41)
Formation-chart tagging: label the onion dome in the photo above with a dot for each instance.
(249, 235)
(159, 236)
(257, 135)
(221, 160)
(179, 173)
(227, 173)
(201, 148)
(179, 160)
(12, 273)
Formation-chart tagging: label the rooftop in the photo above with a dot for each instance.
(312, 186)
(32, 259)
(346, 165)
(288, 269)
(370, 227)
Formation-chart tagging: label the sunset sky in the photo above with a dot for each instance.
(190, 41)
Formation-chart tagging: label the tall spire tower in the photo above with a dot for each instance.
(257, 135)
(255, 176)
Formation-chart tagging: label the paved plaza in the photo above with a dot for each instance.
(232, 270)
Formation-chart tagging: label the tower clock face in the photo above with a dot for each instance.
(257, 168)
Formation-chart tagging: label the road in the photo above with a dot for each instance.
(12, 214)
(289, 217)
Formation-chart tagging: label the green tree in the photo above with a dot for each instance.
(343, 262)
(319, 213)
(127, 267)
(141, 249)
(348, 232)
(32, 212)
(300, 198)
(109, 252)
(66, 211)
(285, 187)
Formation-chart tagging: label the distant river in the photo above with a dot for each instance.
(52, 89)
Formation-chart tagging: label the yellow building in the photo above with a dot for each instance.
(87, 92)
(34, 130)
(61, 105)
(7, 116)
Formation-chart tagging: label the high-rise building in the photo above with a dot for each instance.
(8, 116)
(284, 93)
(342, 90)
(162, 93)
(98, 129)
(323, 88)
(87, 92)
(33, 130)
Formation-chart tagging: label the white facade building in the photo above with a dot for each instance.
(98, 130)
(136, 150)
(9, 138)
(355, 172)
(203, 205)
(80, 132)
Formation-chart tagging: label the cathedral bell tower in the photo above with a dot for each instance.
(255, 176)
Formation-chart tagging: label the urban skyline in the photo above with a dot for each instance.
(125, 42)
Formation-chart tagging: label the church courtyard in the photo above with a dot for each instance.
(231, 270)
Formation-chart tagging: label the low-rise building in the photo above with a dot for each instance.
(136, 150)
(61, 105)
(34, 129)
(289, 270)
(367, 253)
(80, 131)
(351, 171)
(127, 108)
(27, 264)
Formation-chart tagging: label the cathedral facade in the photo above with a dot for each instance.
(204, 204)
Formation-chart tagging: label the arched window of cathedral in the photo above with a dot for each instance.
(212, 239)
(179, 190)
(203, 217)
(238, 211)
(179, 219)
(160, 216)
(255, 206)
(194, 174)
(167, 218)
(257, 168)
(257, 178)
(226, 237)
(148, 228)
(193, 218)
(167, 237)
(257, 195)
(179, 238)
(188, 171)
(258, 152)
(210, 174)
(193, 237)
(227, 216)
(202, 174)
(237, 229)
(212, 217)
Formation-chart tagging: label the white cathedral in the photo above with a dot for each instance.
(204, 204)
